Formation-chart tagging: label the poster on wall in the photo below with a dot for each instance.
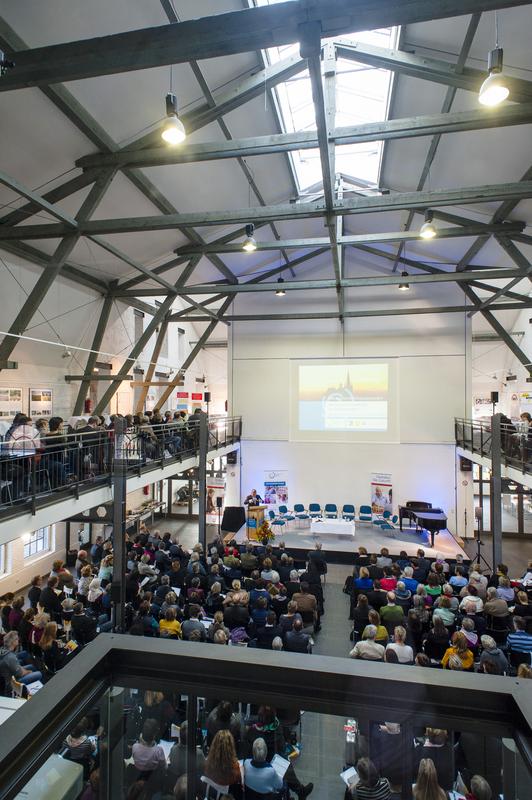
(181, 401)
(40, 404)
(214, 507)
(10, 402)
(381, 492)
(275, 487)
(149, 403)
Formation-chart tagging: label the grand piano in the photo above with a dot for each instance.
(425, 517)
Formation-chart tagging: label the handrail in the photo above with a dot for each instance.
(516, 441)
(77, 462)
(412, 696)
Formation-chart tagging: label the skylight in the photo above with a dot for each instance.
(362, 95)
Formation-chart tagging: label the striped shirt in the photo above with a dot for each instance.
(381, 791)
(520, 642)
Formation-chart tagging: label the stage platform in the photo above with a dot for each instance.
(341, 548)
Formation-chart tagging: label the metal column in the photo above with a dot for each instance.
(119, 527)
(202, 478)
(496, 490)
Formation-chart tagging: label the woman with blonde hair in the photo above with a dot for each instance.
(427, 786)
(39, 623)
(217, 625)
(105, 573)
(52, 655)
(363, 583)
(84, 583)
(222, 765)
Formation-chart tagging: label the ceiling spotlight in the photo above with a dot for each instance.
(427, 230)
(495, 88)
(95, 369)
(173, 131)
(404, 287)
(249, 244)
(280, 291)
(66, 354)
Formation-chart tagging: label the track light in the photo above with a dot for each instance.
(495, 88)
(428, 230)
(404, 287)
(173, 131)
(66, 354)
(280, 291)
(249, 244)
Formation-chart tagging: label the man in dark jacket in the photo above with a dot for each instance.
(296, 641)
(50, 600)
(268, 633)
(83, 626)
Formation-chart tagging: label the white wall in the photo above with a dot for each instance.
(68, 316)
(433, 389)
(22, 570)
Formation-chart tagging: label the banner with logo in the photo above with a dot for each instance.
(275, 487)
(381, 492)
(214, 507)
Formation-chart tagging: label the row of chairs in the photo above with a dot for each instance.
(386, 520)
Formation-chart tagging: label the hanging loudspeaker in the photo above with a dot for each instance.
(207, 397)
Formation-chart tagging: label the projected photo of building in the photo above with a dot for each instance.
(343, 397)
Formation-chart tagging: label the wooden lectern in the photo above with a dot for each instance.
(255, 513)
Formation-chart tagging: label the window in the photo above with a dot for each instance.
(362, 95)
(38, 542)
(5, 566)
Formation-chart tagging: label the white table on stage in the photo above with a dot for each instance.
(336, 527)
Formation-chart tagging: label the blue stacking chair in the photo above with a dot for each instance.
(365, 514)
(331, 511)
(275, 522)
(299, 511)
(314, 510)
(378, 520)
(286, 515)
(348, 511)
(390, 523)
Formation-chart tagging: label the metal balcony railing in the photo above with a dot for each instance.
(516, 442)
(37, 473)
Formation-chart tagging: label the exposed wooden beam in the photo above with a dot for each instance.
(366, 312)
(223, 35)
(359, 205)
(346, 283)
(387, 130)
(429, 69)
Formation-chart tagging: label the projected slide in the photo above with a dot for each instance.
(343, 397)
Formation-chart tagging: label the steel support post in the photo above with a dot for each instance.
(202, 477)
(119, 468)
(192, 725)
(496, 490)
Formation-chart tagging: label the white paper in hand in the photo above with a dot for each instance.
(280, 765)
(349, 776)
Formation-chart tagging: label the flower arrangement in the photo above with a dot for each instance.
(265, 533)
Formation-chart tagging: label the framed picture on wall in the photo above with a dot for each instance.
(10, 402)
(40, 403)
